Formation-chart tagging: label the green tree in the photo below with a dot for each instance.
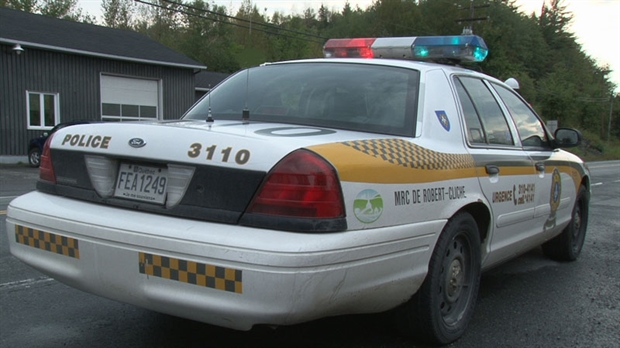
(63, 9)
(161, 22)
(397, 18)
(440, 17)
(22, 5)
(118, 13)
(250, 25)
(351, 23)
(206, 36)
(323, 17)
(555, 21)
(570, 83)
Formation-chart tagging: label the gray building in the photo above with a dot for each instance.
(206, 80)
(54, 71)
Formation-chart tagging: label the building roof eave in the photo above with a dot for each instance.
(99, 55)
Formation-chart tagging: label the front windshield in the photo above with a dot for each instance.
(359, 97)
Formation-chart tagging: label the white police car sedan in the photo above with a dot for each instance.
(312, 188)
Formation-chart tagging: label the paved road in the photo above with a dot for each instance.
(528, 302)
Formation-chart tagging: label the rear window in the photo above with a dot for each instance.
(355, 97)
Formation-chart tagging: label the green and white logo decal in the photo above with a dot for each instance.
(368, 206)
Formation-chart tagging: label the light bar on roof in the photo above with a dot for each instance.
(462, 48)
(394, 47)
(348, 48)
(469, 48)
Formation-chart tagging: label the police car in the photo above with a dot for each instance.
(354, 183)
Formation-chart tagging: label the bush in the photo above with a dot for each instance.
(593, 148)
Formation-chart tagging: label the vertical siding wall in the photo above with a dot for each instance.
(76, 79)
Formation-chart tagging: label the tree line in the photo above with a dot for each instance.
(556, 76)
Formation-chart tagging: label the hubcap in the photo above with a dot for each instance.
(455, 280)
(577, 219)
(576, 226)
(35, 158)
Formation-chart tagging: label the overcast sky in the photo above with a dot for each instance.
(596, 23)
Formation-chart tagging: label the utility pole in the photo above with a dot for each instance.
(469, 29)
(250, 20)
(611, 110)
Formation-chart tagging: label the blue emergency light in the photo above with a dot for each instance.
(463, 48)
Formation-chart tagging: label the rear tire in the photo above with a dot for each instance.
(443, 306)
(34, 157)
(568, 244)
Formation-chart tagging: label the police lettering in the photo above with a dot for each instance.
(401, 198)
(81, 140)
(428, 195)
(417, 197)
(502, 196)
(456, 192)
(526, 194)
(434, 194)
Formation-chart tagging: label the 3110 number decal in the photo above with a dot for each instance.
(241, 157)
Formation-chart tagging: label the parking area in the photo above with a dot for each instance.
(528, 302)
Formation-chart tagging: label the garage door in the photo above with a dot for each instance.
(129, 99)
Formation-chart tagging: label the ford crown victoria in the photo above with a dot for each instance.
(304, 189)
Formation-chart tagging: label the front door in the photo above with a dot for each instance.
(555, 187)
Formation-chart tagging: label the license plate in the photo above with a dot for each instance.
(141, 183)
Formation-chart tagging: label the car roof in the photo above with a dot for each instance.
(400, 63)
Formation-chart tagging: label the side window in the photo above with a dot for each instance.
(42, 110)
(475, 133)
(494, 124)
(529, 126)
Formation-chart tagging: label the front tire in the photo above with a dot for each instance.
(443, 306)
(34, 157)
(568, 244)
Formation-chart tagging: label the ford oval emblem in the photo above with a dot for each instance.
(137, 142)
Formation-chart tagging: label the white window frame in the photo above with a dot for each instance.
(42, 125)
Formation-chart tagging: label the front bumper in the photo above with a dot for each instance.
(225, 275)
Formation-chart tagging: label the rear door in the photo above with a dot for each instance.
(506, 172)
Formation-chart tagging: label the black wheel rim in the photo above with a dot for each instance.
(35, 158)
(455, 289)
(577, 228)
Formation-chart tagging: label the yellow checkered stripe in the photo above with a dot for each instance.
(190, 272)
(409, 155)
(47, 241)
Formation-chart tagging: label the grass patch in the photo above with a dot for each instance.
(593, 148)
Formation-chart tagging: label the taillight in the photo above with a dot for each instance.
(302, 185)
(46, 170)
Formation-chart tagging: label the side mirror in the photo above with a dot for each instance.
(567, 137)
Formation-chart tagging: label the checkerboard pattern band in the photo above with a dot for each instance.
(184, 271)
(410, 155)
(47, 241)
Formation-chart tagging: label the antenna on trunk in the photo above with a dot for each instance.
(209, 115)
(245, 115)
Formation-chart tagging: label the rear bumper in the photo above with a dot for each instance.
(225, 275)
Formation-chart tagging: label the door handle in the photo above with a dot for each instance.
(540, 167)
(492, 169)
